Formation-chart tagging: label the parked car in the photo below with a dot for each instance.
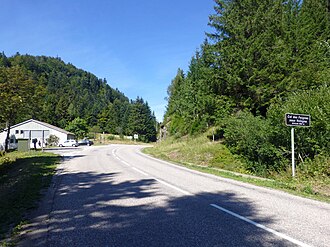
(68, 143)
(85, 142)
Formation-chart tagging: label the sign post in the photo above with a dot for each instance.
(292, 152)
(296, 120)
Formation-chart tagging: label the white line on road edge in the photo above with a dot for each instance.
(142, 172)
(292, 240)
(146, 174)
(173, 187)
(114, 155)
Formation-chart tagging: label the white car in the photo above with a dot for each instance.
(68, 143)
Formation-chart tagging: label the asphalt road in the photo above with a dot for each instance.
(116, 196)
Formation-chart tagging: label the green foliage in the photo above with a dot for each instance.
(22, 176)
(265, 143)
(111, 137)
(64, 92)
(177, 125)
(141, 121)
(211, 157)
(309, 141)
(265, 58)
(16, 91)
(318, 167)
(53, 140)
(17, 94)
(49, 90)
(252, 138)
(197, 151)
(192, 103)
(78, 127)
(260, 50)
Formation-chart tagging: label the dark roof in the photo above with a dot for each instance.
(44, 124)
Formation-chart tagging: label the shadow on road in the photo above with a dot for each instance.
(95, 210)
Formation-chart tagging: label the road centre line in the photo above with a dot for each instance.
(292, 240)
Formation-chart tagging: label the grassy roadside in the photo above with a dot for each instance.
(106, 139)
(201, 154)
(22, 177)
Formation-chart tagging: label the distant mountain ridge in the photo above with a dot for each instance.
(66, 92)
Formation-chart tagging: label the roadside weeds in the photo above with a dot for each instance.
(23, 178)
(284, 182)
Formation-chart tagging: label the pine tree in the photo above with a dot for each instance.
(141, 121)
(312, 65)
(249, 41)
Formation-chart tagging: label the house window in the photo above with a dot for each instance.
(16, 131)
(22, 131)
(26, 134)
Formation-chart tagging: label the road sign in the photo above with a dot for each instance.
(297, 120)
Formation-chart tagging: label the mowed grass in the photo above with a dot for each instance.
(22, 177)
(200, 153)
(196, 151)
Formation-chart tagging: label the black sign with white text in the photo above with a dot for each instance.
(297, 120)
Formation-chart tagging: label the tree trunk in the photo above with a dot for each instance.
(7, 138)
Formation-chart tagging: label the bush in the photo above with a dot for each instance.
(251, 137)
(311, 141)
(318, 167)
(177, 126)
(111, 137)
(53, 140)
(197, 126)
(265, 143)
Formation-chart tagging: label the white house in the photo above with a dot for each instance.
(32, 129)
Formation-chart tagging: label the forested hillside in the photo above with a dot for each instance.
(52, 91)
(263, 59)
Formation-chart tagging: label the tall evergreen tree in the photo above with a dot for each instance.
(260, 50)
(312, 48)
(61, 93)
(141, 121)
(249, 41)
(192, 98)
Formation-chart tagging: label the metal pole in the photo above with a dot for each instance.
(30, 138)
(292, 151)
(42, 143)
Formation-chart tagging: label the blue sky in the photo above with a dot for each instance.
(136, 45)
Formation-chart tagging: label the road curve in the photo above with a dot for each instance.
(116, 196)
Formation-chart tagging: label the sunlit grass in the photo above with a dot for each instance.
(22, 177)
(200, 153)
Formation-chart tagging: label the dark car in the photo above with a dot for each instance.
(85, 142)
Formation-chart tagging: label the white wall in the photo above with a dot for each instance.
(33, 130)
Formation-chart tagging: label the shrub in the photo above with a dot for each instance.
(53, 140)
(251, 137)
(319, 166)
(310, 141)
(111, 137)
(265, 143)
